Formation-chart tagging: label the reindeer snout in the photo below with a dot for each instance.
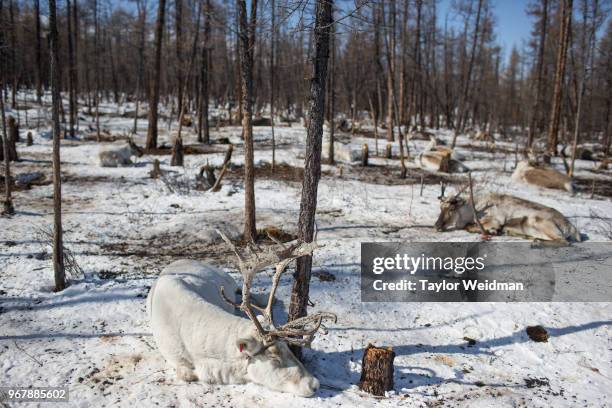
(309, 385)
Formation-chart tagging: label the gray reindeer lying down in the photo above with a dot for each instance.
(505, 214)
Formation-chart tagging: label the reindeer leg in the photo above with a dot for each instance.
(490, 225)
(517, 227)
(185, 371)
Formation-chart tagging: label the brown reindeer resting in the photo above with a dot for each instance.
(542, 176)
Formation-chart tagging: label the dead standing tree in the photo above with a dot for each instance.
(58, 249)
(156, 79)
(312, 165)
(536, 115)
(204, 125)
(246, 41)
(8, 202)
(555, 113)
(72, 71)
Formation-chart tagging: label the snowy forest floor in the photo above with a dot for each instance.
(123, 227)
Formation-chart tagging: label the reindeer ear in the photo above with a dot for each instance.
(249, 346)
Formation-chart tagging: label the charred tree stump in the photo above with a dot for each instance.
(29, 139)
(206, 178)
(377, 370)
(13, 135)
(389, 151)
(156, 172)
(177, 153)
(364, 155)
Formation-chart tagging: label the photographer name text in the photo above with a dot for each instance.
(426, 285)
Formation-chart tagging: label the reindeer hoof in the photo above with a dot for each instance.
(186, 374)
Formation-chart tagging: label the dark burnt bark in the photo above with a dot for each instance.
(156, 79)
(58, 247)
(312, 165)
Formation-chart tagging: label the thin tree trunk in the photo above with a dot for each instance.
(555, 113)
(97, 69)
(75, 33)
(13, 56)
(39, 74)
(390, 71)
(71, 71)
(312, 165)
(8, 201)
(142, 16)
(461, 119)
(246, 45)
(271, 79)
(58, 248)
(178, 20)
(588, 46)
(204, 128)
(402, 74)
(538, 102)
(155, 81)
(332, 95)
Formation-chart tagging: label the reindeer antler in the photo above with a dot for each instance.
(299, 331)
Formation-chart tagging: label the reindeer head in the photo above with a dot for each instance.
(271, 363)
(275, 367)
(455, 212)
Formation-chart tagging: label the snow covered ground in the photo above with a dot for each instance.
(124, 227)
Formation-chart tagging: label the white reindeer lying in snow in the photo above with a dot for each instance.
(196, 330)
(119, 156)
(505, 214)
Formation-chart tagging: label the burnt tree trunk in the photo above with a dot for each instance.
(246, 45)
(365, 152)
(177, 152)
(142, 18)
(71, 71)
(58, 247)
(332, 97)
(97, 74)
(13, 136)
(538, 103)
(8, 202)
(178, 21)
(204, 126)
(156, 79)
(271, 79)
(377, 370)
(390, 70)
(555, 114)
(39, 75)
(312, 165)
(13, 56)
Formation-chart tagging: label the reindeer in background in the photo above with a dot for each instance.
(119, 156)
(503, 214)
(541, 175)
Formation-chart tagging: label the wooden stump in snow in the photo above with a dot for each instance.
(156, 172)
(29, 139)
(13, 136)
(364, 155)
(389, 152)
(377, 370)
(177, 153)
